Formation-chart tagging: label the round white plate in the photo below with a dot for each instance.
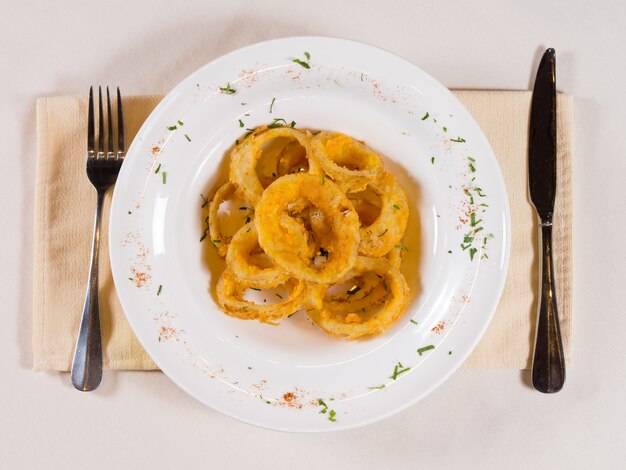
(294, 377)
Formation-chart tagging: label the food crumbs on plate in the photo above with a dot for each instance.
(140, 278)
(439, 327)
(166, 333)
(155, 150)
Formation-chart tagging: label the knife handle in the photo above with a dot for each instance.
(548, 370)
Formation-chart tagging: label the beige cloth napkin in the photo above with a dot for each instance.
(64, 210)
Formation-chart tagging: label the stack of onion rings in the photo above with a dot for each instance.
(326, 221)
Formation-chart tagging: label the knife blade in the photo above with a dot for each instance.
(542, 139)
(548, 368)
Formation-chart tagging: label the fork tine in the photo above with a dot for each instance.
(110, 153)
(91, 127)
(120, 126)
(100, 125)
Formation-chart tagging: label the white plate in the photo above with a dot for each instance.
(275, 377)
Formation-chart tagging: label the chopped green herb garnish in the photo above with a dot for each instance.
(471, 159)
(450, 251)
(479, 192)
(255, 288)
(159, 289)
(129, 212)
(158, 168)
(361, 76)
(377, 387)
(228, 90)
(472, 252)
(241, 124)
(473, 221)
(323, 179)
(396, 206)
(272, 105)
(445, 129)
(420, 351)
(164, 177)
(425, 116)
(449, 353)
(279, 296)
(385, 286)
(291, 315)
(307, 55)
(331, 416)
(386, 230)
(472, 168)
(216, 241)
(130, 279)
(187, 137)
(458, 139)
(250, 368)
(402, 247)
(302, 63)
(432, 160)
(320, 402)
(180, 123)
(277, 123)
(413, 321)
(399, 369)
(172, 128)
(248, 219)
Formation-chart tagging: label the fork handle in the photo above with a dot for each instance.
(548, 372)
(87, 364)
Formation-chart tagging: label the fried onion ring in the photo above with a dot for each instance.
(279, 232)
(351, 322)
(239, 256)
(348, 162)
(230, 292)
(378, 238)
(245, 156)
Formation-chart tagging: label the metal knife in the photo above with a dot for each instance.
(548, 369)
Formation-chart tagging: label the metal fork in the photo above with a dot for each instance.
(102, 170)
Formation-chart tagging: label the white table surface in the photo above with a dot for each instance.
(478, 418)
